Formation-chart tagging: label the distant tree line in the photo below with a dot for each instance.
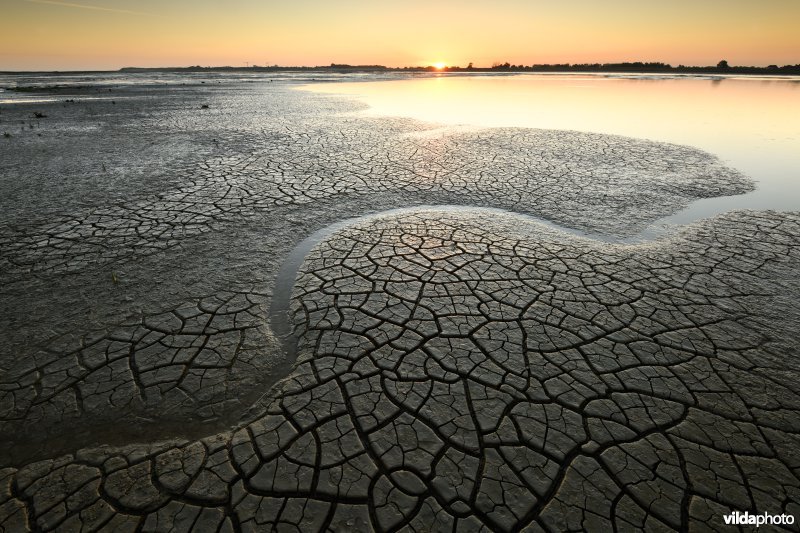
(346, 66)
(639, 66)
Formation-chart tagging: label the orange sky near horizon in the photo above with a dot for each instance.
(109, 34)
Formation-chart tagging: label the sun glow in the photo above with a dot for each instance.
(439, 65)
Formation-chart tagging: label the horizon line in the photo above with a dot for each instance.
(495, 67)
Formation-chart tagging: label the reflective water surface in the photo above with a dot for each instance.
(751, 123)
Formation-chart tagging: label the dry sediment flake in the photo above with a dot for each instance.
(458, 371)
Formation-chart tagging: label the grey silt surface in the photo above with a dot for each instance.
(454, 369)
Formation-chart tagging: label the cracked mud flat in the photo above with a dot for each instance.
(455, 369)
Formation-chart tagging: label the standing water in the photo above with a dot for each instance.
(750, 123)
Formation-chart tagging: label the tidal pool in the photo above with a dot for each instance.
(750, 123)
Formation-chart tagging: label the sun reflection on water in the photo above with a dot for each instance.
(752, 124)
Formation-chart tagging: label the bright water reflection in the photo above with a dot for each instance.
(753, 124)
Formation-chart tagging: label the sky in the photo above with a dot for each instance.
(109, 34)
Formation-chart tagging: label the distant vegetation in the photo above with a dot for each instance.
(721, 68)
(637, 66)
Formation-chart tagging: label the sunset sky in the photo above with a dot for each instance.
(109, 34)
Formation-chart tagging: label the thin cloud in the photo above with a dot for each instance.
(85, 6)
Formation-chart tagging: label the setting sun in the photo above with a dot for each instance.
(439, 65)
